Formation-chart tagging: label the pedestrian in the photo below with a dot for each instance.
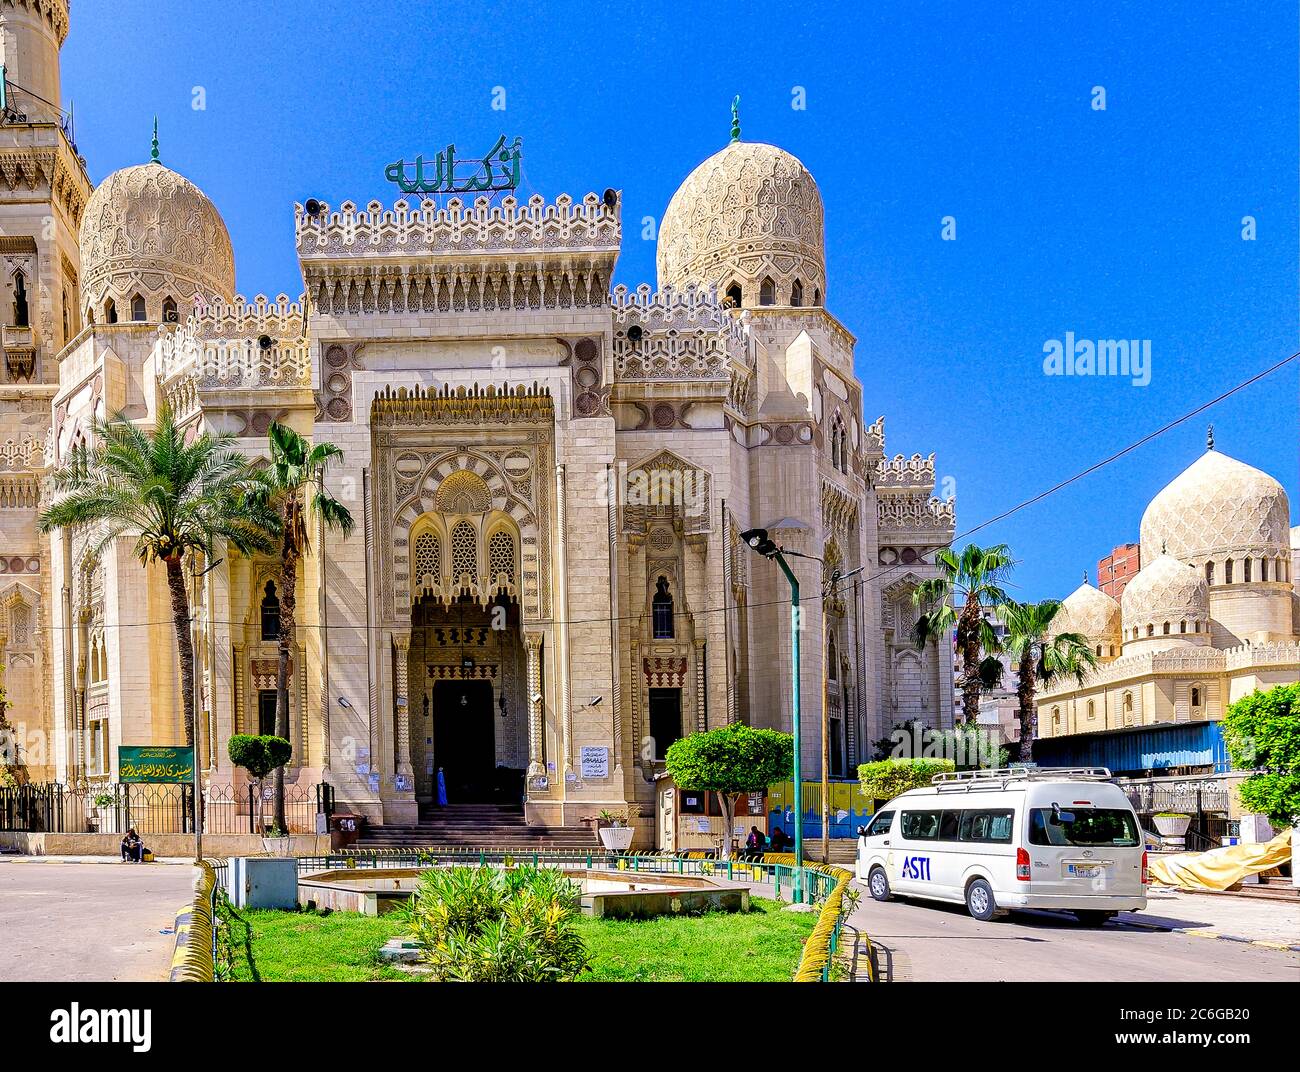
(442, 789)
(755, 843)
(132, 847)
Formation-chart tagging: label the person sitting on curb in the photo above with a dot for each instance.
(132, 847)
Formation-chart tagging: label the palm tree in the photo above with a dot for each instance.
(1040, 657)
(974, 577)
(296, 466)
(175, 498)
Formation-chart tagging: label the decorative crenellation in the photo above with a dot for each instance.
(683, 335)
(1183, 661)
(533, 227)
(238, 345)
(26, 452)
(873, 442)
(901, 472)
(916, 510)
(462, 405)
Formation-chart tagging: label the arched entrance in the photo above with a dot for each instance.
(469, 713)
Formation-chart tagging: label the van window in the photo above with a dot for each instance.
(880, 823)
(1091, 826)
(990, 825)
(949, 823)
(920, 825)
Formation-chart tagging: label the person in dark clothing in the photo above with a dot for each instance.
(780, 843)
(755, 844)
(132, 847)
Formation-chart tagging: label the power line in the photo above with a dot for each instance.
(815, 597)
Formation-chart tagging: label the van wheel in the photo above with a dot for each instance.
(979, 900)
(1093, 918)
(878, 884)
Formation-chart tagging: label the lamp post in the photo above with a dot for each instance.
(829, 593)
(758, 540)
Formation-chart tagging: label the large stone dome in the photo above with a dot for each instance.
(1217, 507)
(1165, 591)
(150, 232)
(749, 213)
(1091, 612)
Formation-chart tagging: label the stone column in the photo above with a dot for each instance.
(533, 643)
(401, 649)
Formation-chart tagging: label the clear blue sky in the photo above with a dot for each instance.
(1124, 223)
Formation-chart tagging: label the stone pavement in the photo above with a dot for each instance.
(73, 921)
(1217, 915)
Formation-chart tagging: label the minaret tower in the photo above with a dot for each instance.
(44, 189)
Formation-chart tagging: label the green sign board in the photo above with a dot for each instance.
(498, 170)
(155, 763)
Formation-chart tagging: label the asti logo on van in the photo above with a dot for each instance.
(917, 867)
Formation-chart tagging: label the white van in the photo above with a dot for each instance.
(1022, 837)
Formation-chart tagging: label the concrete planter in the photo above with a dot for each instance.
(278, 846)
(616, 838)
(1172, 826)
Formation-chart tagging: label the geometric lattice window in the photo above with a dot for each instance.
(501, 557)
(428, 560)
(464, 553)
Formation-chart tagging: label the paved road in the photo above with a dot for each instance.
(88, 922)
(924, 941)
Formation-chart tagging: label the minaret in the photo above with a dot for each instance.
(31, 34)
(43, 192)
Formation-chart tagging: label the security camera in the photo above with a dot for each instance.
(343, 703)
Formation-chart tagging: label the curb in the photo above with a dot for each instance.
(106, 860)
(1197, 932)
(192, 957)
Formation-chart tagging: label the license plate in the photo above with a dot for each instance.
(1083, 870)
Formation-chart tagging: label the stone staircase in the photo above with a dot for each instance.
(477, 826)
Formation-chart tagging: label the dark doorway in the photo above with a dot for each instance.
(665, 718)
(464, 741)
(266, 711)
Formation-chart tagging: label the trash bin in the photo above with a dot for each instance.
(344, 830)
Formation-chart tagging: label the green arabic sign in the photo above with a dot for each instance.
(155, 763)
(498, 170)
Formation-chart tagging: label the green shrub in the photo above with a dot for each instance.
(479, 924)
(1262, 733)
(886, 778)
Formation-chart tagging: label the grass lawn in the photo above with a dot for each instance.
(762, 945)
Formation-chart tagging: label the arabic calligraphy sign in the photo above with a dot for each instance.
(154, 763)
(445, 174)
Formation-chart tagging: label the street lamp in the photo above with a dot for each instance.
(827, 595)
(759, 541)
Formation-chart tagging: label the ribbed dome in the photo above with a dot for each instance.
(1166, 590)
(1089, 611)
(748, 213)
(152, 232)
(1217, 505)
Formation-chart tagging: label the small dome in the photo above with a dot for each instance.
(1089, 611)
(1217, 505)
(1164, 591)
(150, 232)
(749, 213)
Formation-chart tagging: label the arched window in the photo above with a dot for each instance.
(817, 296)
(270, 613)
(501, 558)
(1263, 569)
(1209, 573)
(464, 554)
(1227, 572)
(1151, 629)
(67, 323)
(796, 294)
(137, 309)
(767, 292)
(1196, 696)
(428, 560)
(661, 607)
(1128, 708)
(733, 296)
(21, 315)
(831, 668)
(1092, 709)
(110, 311)
(1098, 649)
(1182, 626)
(169, 310)
(1056, 719)
(1245, 569)
(1166, 630)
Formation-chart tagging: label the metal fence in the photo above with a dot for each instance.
(115, 807)
(1195, 796)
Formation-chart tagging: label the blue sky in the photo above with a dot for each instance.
(1122, 223)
